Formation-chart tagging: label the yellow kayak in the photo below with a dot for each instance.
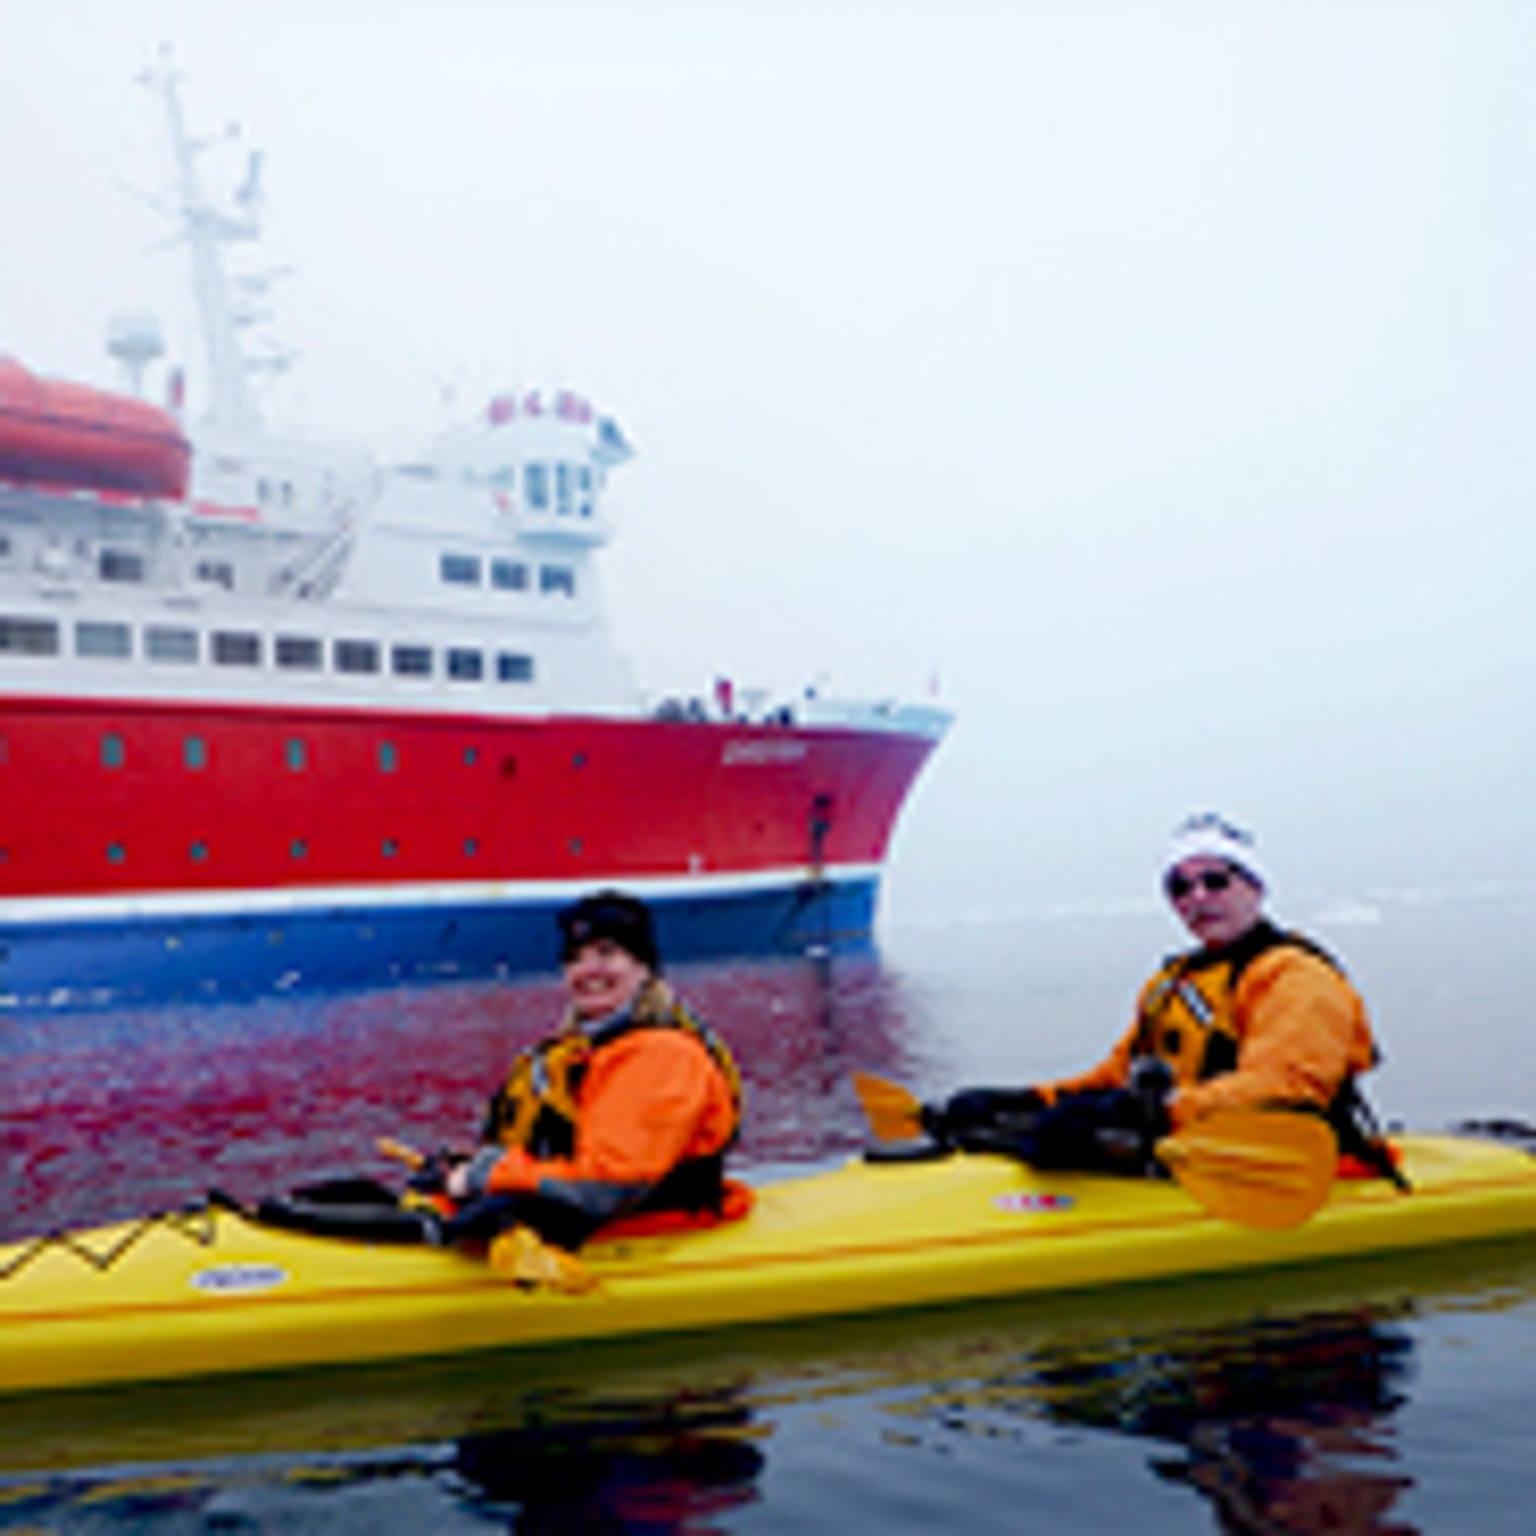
(211, 1290)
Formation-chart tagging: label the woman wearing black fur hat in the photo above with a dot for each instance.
(630, 1106)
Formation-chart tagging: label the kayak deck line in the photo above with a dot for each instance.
(181, 1220)
(208, 1291)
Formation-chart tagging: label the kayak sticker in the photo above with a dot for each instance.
(1032, 1203)
(229, 1279)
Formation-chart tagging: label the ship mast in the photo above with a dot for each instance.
(231, 405)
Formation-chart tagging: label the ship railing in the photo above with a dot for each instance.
(316, 577)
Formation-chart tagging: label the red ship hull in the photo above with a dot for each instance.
(148, 847)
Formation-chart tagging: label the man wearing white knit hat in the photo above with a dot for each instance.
(1251, 1017)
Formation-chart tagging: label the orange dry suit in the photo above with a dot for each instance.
(604, 1118)
(1269, 1019)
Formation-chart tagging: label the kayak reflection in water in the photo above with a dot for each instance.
(666, 1466)
(1251, 1017)
(1284, 1426)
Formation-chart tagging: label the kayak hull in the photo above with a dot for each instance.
(210, 1291)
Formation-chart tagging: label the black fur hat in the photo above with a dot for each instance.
(623, 920)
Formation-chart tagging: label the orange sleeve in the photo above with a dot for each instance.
(1303, 1031)
(648, 1101)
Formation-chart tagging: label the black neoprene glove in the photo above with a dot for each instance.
(1150, 1082)
(431, 1176)
(983, 1119)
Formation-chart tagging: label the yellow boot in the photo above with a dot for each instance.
(520, 1255)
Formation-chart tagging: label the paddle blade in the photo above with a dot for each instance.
(893, 1113)
(1259, 1168)
(387, 1146)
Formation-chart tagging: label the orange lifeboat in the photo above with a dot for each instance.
(73, 437)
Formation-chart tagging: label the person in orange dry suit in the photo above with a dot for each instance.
(1253, 1016)
(629, 1107)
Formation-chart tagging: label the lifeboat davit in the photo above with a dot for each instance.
(74, 437)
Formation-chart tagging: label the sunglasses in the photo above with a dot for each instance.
(1179, 886)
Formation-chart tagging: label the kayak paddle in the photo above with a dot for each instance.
(387, 1146)
(1255, 1167)
(893, 1113)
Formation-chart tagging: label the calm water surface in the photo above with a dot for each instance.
(1389, 1398)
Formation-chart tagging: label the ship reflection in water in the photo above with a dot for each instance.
(109, 1114)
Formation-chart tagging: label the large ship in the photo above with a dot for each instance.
(275, 717)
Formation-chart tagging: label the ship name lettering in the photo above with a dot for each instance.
(754, 752)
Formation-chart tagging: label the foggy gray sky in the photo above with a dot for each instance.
(1159, 378)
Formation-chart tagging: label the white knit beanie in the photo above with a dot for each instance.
(1207, 835)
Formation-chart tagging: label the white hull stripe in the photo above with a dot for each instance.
(121, 907)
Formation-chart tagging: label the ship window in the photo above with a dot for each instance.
(170, 644)
(236, 649)
(198, 853)
(29, 637)
(557, 578)
(389, 757)
(120, 565)
(465, 666)
(294, 754)
(471, 847)
(461, 570)
(98, 639)
(116, 853)
(298, 849)
(217, 573)
(114, 750)
(411, 661)
(194, 753)
(298, 653)
(389, 848)
(563, 489)
(513, 668)
(509, 575)
(536, 486)
(357, 656)
(471, 756)
(5, 546)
